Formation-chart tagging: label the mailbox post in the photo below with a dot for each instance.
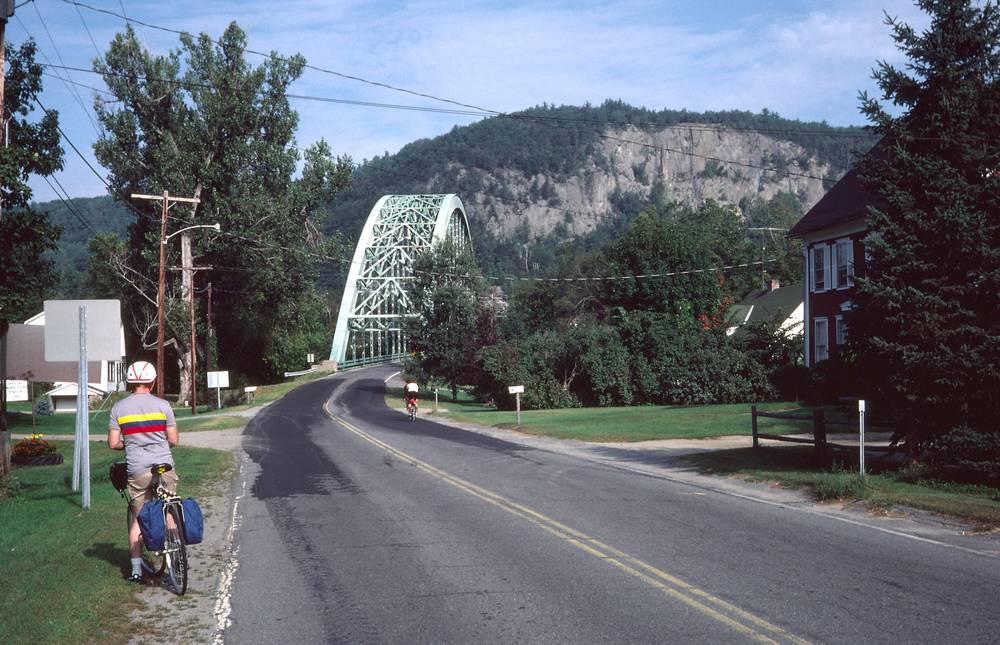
(516, 390)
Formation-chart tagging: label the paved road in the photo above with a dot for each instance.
(359, 526)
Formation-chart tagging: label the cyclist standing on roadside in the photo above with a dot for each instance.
(143, 426)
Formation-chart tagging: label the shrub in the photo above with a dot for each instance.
(966, 454)
(791, 381)
(43, 406)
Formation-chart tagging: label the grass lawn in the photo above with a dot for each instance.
(794, 467)
(638, 423)
(62, 567)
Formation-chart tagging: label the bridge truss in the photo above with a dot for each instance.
(399, 227)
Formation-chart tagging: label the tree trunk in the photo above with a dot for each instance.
(184, 369)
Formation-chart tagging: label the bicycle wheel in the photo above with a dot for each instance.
(152, 561)
(175, 552)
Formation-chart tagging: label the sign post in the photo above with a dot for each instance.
(861, 428)
(435, 400)
(81, 443)
(218, 380)
(516, 390)
(98, 323)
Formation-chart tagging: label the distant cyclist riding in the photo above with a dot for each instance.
(143, 426)
(410, 395)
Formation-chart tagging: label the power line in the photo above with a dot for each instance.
(210, 86)
(475, 108)
(68, 204)
(55, 48)
(87, 29)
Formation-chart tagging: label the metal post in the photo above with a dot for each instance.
(218, 397)
(81, 452)
(77, 431)
(753, 425)
(518, 400)
(435, 400)
(861, 429)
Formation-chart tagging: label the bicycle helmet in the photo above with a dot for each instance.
(140, 372)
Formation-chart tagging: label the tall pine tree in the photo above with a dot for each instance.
(927, 320)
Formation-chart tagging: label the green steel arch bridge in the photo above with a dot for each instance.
(399, 227)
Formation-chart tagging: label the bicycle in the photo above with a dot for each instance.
(411, 409)
(172, 559)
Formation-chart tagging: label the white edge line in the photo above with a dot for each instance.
(223, 596)
(391, 375)
(789, 507)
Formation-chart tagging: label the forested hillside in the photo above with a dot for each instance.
(535, 179)
(547, 183)
(92, 215)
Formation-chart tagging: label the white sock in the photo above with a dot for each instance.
(136, 566)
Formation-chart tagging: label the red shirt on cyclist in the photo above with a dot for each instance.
(143, 426)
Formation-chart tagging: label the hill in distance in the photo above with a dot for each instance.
(549, 175)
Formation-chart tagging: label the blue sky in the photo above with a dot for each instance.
(803, 59)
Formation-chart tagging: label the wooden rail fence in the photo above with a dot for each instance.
(819, 424)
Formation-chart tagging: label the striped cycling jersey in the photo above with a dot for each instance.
(149, 422)
(143, 420)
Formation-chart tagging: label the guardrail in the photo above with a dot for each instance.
(301, 373)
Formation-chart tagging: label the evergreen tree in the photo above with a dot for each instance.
(927, 320)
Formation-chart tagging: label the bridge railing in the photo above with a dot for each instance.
(370, 360)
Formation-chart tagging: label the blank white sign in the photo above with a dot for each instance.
(218, 379)
(62, 330)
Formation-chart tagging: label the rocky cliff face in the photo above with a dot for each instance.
(688, 164)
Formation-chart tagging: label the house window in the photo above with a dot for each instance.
(840, 330)
(821, 340)
(844, 264)
(820, 262)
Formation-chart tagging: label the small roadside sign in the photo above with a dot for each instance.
(218, 380)
(517, 391)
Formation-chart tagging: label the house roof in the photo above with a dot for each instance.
(71, 389)
(770, 305)
(846, 202)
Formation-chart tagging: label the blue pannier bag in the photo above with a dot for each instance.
(152, 525)
(194, 521)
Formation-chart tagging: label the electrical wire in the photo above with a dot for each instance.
(55, 48)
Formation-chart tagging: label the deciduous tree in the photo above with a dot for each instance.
(32, 148)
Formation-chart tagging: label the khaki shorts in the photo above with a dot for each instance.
(140, 488)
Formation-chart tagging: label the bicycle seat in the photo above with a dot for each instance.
(159, 469)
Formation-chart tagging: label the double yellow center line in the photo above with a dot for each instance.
(709, 605)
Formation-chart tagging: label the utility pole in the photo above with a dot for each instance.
(167, 202)
(6, 11)
(763, 265)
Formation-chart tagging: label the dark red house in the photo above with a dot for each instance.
(832, 234)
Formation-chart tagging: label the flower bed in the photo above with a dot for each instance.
(34, 451)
